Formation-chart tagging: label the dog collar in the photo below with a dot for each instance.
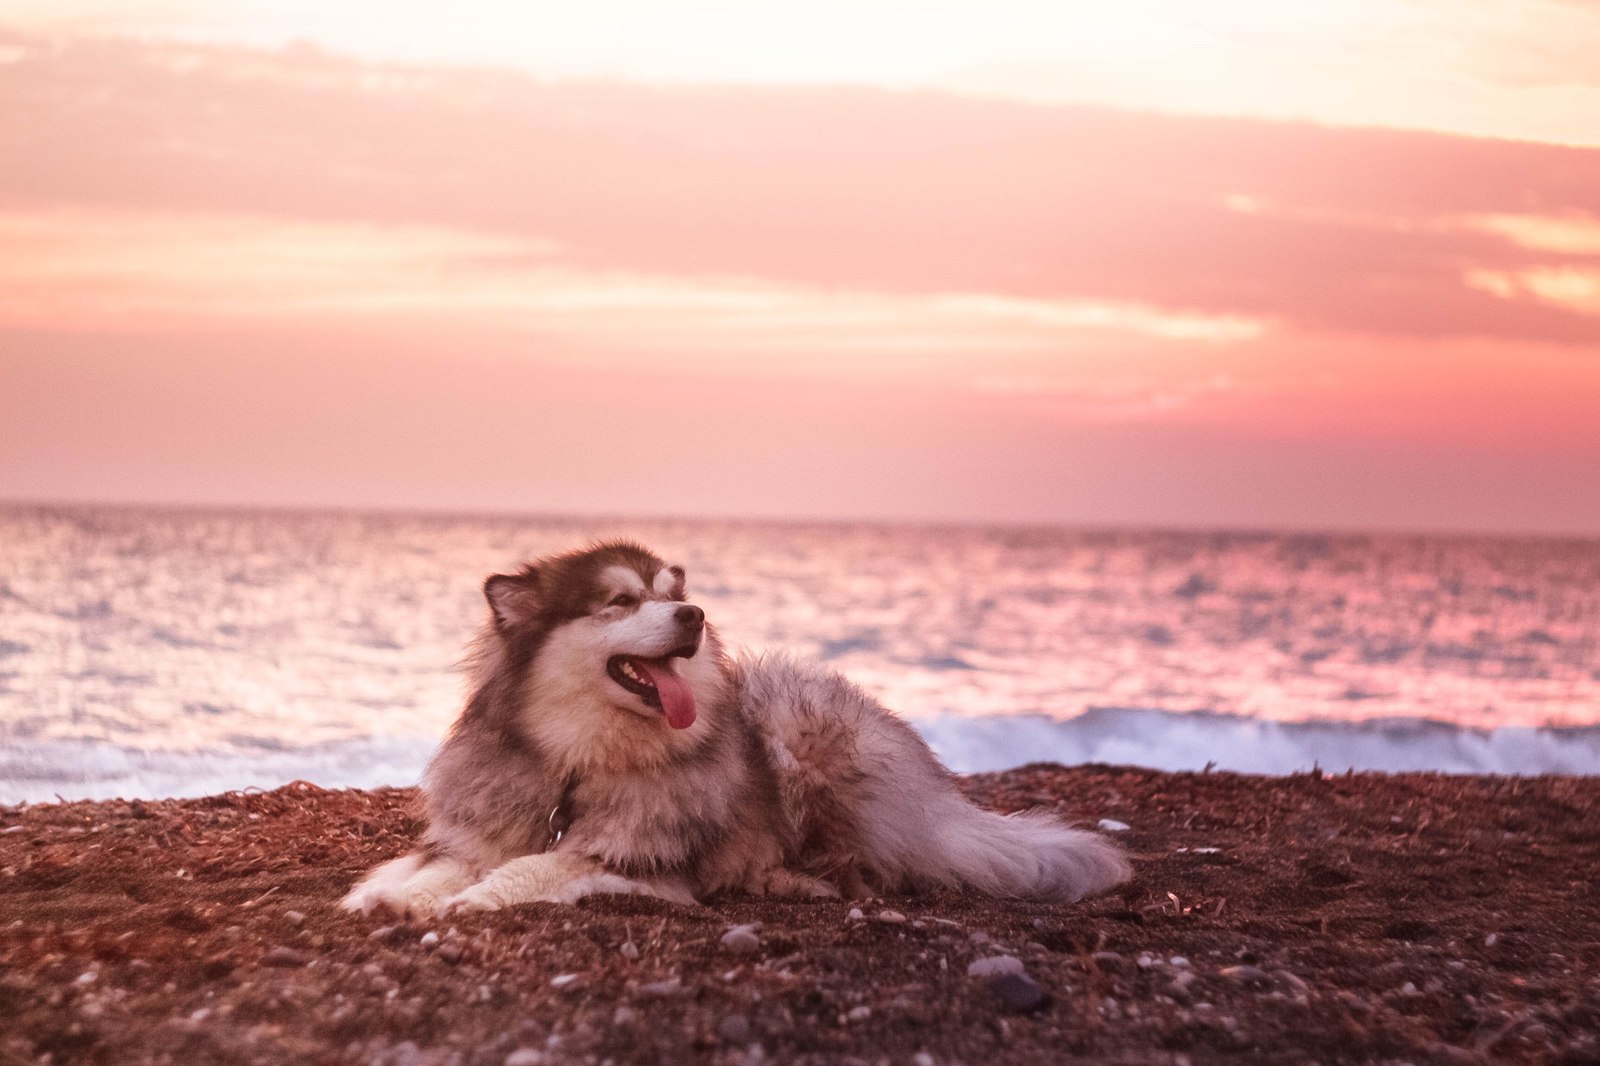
(561, 814)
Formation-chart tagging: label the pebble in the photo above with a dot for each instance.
(1250, 976)
(525, 1056)
(450, 952)
(405, 1053)
(1179, 961)
(429, 939)
(563, 980)
(1111, 825)
(670, 987)
(1491, 940)
(294, 918)
(859, 1014)
(285, 957)
(734, 1029)
(1018, 993)
(1107, 960)
(624, 1016)
(1409, 989)
(742, 940)
(855, 914)
(891, 917)
(1284, 977)
(922, 1058)
(629, 950)
(996, 965)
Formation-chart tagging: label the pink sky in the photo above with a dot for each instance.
(936, 281)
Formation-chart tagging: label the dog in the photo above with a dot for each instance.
(610, 744)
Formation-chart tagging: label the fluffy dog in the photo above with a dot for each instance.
(610, 744)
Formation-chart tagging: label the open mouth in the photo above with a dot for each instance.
(656, 682)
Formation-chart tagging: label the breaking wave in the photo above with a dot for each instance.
(42, 771)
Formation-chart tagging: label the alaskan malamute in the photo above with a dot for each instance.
(610, 744)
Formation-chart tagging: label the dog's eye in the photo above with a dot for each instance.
(622, 599)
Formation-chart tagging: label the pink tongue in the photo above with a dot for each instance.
(677, 700)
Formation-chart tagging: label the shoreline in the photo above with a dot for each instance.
(1310, 918)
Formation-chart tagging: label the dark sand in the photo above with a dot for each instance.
(1373, 918)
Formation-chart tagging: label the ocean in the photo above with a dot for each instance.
(154, 652)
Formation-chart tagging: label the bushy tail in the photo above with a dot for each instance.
(948, 842)
(845, 759)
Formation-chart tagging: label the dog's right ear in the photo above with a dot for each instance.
(513, 598)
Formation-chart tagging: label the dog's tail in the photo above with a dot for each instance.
(945, 841)
(871, 778)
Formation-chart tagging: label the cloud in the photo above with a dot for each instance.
(1372, 231)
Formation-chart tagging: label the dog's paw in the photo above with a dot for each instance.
(483, 896)
(786, 883)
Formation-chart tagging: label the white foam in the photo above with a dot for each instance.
(1164, 740)
(41, 771)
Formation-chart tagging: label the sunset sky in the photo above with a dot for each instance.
(1275, 264)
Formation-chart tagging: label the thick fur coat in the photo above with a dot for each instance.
(610, 744)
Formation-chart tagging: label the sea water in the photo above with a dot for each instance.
(148, 652)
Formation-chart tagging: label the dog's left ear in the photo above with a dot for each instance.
(513, 598)
(674, 575)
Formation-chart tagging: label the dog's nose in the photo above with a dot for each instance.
(690, 616)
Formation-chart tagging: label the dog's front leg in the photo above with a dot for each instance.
(556, 877)
(413, 884)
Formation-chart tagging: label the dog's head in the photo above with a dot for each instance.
(607, 629)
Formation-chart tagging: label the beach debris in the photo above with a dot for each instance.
(1292, 982)
(734, 1029)
(285, 957)
(526, 1056)
(995, 966)
(742, 939)
(662, 989)
(1111, 825)
(1018, 993)
(1249, 976)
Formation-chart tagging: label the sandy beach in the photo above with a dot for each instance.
(1350, 918)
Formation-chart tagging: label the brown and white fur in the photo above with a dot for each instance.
(757, 774)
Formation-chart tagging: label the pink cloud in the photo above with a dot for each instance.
(862, 189)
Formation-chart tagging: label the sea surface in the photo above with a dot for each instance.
(154, 652)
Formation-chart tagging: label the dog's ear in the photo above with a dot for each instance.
(513, 598)
(675, 575)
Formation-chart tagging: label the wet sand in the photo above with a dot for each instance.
(1366, 918)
